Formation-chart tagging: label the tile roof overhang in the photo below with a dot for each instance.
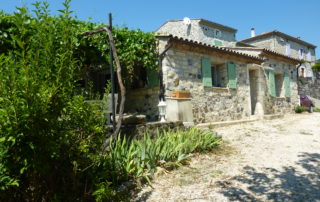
(281, 34)
(217, 49)
(268, 52)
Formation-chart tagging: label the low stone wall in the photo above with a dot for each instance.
(143, 101)
(151, 128)
(310, 87)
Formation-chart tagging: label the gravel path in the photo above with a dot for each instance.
(277, 160)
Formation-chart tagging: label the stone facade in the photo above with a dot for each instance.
(280, 43)
(182, 71)
(280, 104)
(310, 87)
(200, 30)
(244, 93)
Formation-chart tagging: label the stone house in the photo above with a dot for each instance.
(227, 79)
(286, 45)
(200, 30)
(225, 82)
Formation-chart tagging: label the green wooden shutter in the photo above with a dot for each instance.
(152, 78)
(272, 85)
(206, 72)
(217, 43)
(287, 85)
(232, 75)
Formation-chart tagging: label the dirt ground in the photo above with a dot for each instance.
(276, 160)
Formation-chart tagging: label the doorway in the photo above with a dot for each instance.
(253, 77)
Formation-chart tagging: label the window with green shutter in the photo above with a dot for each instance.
(272, 86)
(152, 78)
(232, 75)
(217, 43)
(287, 85)
(206, 72)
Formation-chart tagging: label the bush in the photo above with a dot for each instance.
(48, 136)
(299, 109)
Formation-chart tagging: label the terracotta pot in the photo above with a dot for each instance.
(180, 94)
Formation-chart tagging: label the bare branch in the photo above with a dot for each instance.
(121, 85)
(95, 31)
(122, 90)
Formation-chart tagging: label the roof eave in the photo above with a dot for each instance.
(275, 32)
(172, 38)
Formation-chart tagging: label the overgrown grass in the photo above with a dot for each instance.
(130, 160)
(316, 110)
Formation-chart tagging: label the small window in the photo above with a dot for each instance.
(288, 49)
(279, 84)
(217, 78)
(301, 53)
(217, 43)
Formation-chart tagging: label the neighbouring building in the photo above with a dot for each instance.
(286, 45)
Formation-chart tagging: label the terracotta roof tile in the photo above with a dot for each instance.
(223, 49)
(266, 51)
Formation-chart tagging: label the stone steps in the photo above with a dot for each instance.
(225, 123)
(228, 123)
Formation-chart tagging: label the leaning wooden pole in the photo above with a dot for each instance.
(120, 82)
(122, 90)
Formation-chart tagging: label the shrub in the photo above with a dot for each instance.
(48, 136)
(299, 109)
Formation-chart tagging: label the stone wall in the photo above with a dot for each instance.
(143, 101)
(182, 71)
(279, 44)
(265, 42)
(281, 104)
(199, 32)
(310, 87)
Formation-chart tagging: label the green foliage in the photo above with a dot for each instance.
(136, 49)
(316, 66)
(47, 135)
(299, 109)
(129, 160)
(50, 137)
(316, 110)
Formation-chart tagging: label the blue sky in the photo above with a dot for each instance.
(293, 17)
